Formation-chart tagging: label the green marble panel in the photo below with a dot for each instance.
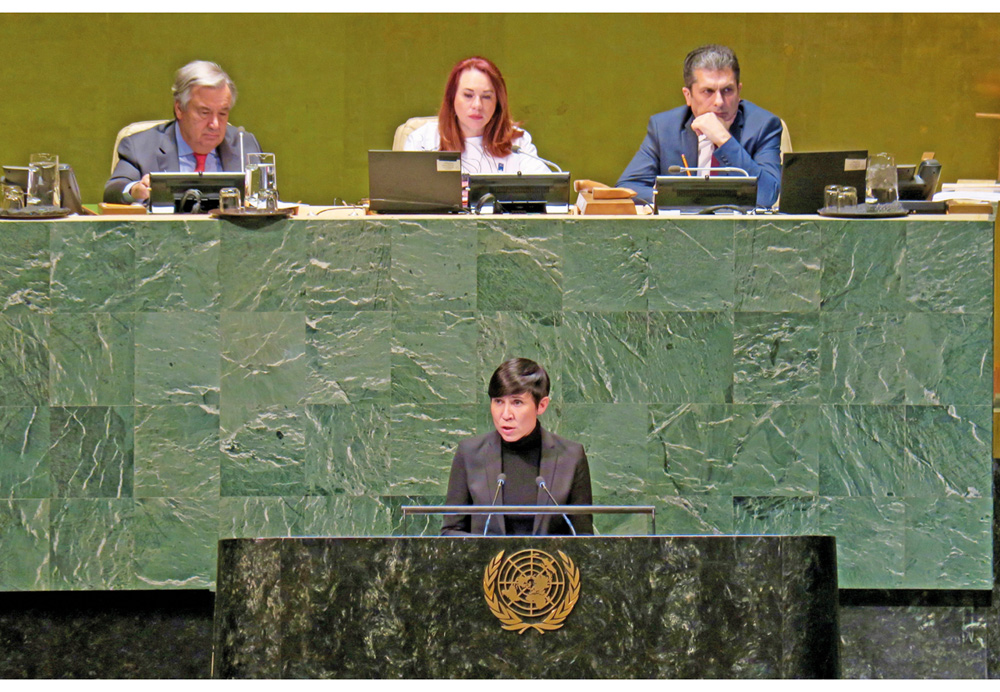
(348, 357)
(504, 335)
(864, 263)
(776, 449)
(690, 357)
(614, 437)
(422, 442)
(263, 363)
(175, 542)
(24, 452)
(794, 516)
(92, 358)
(604, 266)
(265, 453)
(177, 266)
(264, 268)
(347, 450)
(24, 267)
(92, 452)
(24, 360)
(363, 516)
(870, 535)
(694, 515)
(24, 535)
(778, 266)
(177, 451)
(776, 358)
(433, 265)
(945, 446)
(434, 357)
(93, 267)
(263, 517)
(177, 358)
(691, 265)
(348, 265)
(608, 352)
(949, 358)
(862, 451)
(519, 266)
(949, 266)
(690, 449)
(93, 544)
(948, 543)
(862, 358)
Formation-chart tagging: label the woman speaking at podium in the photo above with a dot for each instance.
(520, 463)
(475, 120)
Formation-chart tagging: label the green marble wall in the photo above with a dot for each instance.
(167, 383)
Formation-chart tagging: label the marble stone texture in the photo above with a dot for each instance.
(648, 607)
(164, 383)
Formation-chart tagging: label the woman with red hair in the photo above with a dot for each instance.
(475, 120)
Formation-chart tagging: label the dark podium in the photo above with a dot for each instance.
(625, 607)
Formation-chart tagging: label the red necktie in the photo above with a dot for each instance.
(715, 164)
(199, 163)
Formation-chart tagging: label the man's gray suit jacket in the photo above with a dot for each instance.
(155, 151)
(473, 481)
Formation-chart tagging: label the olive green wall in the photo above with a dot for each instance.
(320, 90)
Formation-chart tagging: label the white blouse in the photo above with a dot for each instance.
(477, 160)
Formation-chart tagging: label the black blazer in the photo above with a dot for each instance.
(473, 481)
(155, 151)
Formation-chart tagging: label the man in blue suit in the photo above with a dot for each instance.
(715, 129)
(199, 138)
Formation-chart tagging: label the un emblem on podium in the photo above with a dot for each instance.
(531, 590)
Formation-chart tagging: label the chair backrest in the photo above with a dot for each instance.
(130, 129)
(404, 130)
(786, 139)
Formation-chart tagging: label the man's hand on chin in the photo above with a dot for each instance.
(712, 126)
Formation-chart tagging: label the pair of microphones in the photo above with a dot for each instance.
(540, 482)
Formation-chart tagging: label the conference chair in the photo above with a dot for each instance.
(130, 129)
(404, 130)
(786, 139)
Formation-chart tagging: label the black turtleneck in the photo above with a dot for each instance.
(521, 460)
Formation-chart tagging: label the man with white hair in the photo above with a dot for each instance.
(200, 137)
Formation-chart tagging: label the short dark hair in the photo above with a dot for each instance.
(519, 376)
(710, 57)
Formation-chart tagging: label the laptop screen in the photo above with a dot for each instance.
(804, 174)
(415, 182)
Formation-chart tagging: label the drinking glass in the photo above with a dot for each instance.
(830, 193)
(847, 196)
(229, 200)
(43, 180)
(261, 174)
(267, 200)
(881, 183)
(12, 199)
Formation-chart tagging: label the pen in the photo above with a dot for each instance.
(685, 160)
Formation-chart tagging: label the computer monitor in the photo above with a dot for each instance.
(695, 193)
(505, 193)
(190, 193)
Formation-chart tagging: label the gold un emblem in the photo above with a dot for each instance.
(531, 590)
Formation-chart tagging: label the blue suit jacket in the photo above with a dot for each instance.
(473, 481)
(755, 147)
(155, 151)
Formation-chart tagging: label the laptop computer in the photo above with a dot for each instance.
(415, 182)
(804, 174)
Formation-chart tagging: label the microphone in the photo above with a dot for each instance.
(501, 479)
(541, 484)
(518, 150)
(674, 170)
(243, 161)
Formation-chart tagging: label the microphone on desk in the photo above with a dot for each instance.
(518, 150)
(243, 161)
(501, 479)
(674, 170)
(541, 484)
